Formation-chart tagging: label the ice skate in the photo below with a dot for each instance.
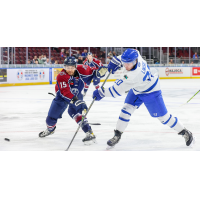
(112, 142)
(90, 138)
(47, 132)
(189, 139)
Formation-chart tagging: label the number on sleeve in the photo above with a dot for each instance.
(118, 81)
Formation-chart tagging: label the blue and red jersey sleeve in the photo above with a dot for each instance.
(85, 61)
(85, 70)
(86, 73)
(97, 63)
(63, 86)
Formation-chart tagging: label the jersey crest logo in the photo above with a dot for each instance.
(139, 64)
(75, 91)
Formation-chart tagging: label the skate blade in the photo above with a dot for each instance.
(41, 135)
(193, 142)
(87, 143)
(109, 148)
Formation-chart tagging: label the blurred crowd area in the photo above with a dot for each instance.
(57, 55)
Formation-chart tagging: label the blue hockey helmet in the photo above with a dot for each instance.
(89, 53)
(70, 61)
(130, 55)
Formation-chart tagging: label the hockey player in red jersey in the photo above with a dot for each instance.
(92, 63)
(70, 83)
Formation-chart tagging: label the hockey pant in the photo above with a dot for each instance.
(56, 110)
(154, 104)
(128, 110)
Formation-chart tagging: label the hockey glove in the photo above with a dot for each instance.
(101, 71)
(114, 64)
(78, 105)
(99, 94)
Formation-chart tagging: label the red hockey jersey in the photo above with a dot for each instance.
(69, 86)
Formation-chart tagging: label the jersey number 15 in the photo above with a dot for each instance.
(63, 84)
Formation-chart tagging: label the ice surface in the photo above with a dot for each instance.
(23, 111)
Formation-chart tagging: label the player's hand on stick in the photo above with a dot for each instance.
(99, 94)
(101, 71)
(114, 65)
(78, 105)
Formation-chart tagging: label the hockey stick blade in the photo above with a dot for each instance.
(94, 123)
(87, 113)
(52, 94)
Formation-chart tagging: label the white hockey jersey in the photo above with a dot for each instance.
(141, 80)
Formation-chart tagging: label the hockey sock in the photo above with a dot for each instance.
(172, 122)
(51, 123)
(85, 90)
(97, 87)
(85, 126)
(124, 117)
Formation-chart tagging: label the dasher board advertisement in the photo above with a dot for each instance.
(28, 75)
(3, 75)
(196, 71)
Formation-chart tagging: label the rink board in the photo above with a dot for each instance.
(25, 76)
(40, 76)
(167, 73)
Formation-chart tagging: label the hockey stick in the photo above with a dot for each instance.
(190, 98)
(52, 94)
(86, 113)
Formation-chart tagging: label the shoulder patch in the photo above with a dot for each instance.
(62, 73)
(125, 76)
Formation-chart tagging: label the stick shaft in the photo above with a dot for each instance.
(193, 96)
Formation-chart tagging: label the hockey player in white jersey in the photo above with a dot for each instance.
(144, 87)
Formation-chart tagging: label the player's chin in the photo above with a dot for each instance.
(129, 68)
(71, 73)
